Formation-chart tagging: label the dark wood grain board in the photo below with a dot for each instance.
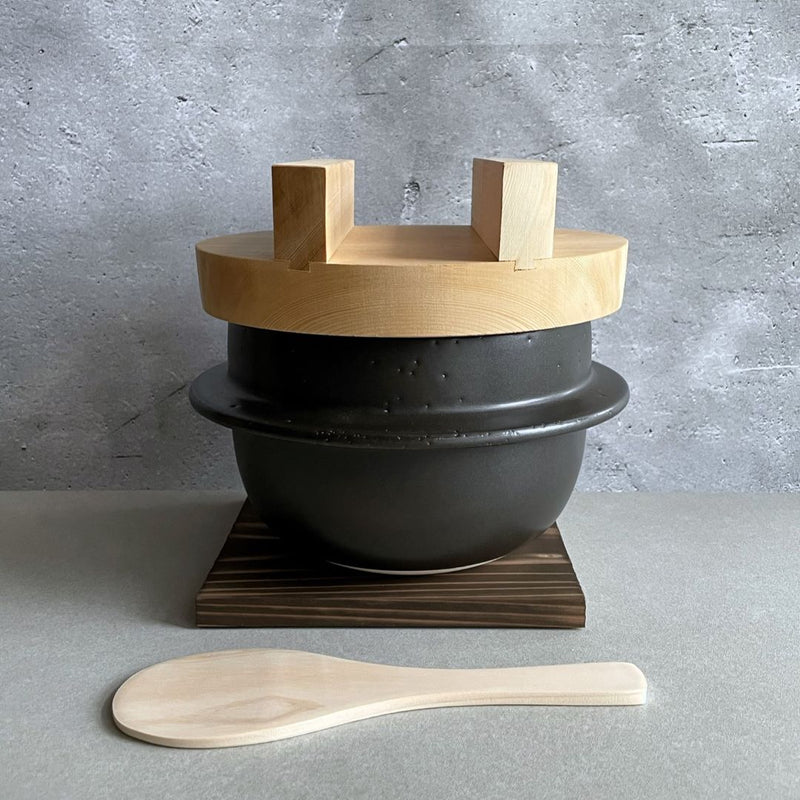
(257, 581)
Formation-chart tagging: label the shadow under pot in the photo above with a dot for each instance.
(409, 455)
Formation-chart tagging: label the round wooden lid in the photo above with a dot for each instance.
(509, 271)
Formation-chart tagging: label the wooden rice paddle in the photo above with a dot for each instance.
(237, 697)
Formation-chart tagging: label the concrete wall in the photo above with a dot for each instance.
(132, 129)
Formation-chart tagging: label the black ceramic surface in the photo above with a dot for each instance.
(409, 453)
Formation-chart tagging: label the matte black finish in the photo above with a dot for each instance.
(414, 453)
(409, 509)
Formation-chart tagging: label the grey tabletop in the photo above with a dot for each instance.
(700, 591)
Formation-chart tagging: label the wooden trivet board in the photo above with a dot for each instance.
(257, 581)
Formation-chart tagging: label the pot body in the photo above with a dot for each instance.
(409, 454)
(409, 510)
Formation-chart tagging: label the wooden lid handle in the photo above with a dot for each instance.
(312, 208)
(514, 207)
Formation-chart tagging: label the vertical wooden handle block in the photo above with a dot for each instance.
(312, 208)
(514, 208)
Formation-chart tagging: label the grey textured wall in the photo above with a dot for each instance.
(132, 129)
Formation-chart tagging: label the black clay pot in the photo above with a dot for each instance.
(409, 454)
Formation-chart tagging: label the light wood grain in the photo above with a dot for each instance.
(238, 697)
(312, 208)
(260, 580)
(412, 246)
(514, 207)
(505, 273)
(411, 281)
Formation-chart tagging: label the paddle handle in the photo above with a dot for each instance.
(594, 684)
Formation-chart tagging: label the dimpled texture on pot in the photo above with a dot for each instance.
(414, 453)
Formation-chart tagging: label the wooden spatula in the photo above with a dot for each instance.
(236, 697)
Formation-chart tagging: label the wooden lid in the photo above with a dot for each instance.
(509, 271)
